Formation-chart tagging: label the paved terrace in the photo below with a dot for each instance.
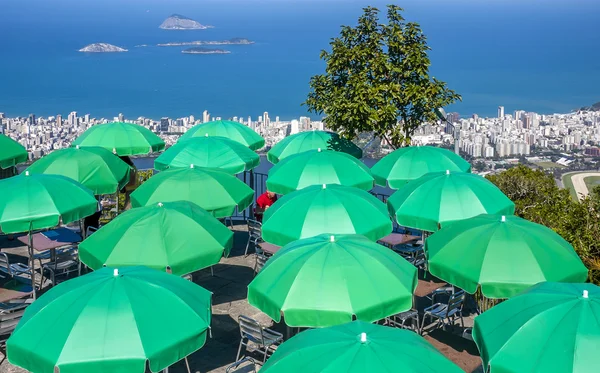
(229, 287)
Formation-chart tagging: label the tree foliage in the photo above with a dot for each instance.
(377, 79)
(537, 198)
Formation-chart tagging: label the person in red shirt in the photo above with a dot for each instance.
(263, 202)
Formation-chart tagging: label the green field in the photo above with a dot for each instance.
(592, 182)
(566, 179)
(549, 165)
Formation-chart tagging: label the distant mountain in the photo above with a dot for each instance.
(179, 22)
(102, 48)
(594, 107)
(198, 50)
(233, 41)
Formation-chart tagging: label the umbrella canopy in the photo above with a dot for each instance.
(211, 152)
(11, 152)
(552, 327)
(215, 191)
(440, 198)
(112, 321)
(226, 128)
(318, 167)
(176, 235)
(94, 167)
(334, 209)
(503, 254)
(121, 138)
(410, 163)
(30, 202)
(312, 140)
(327, 280)
(358, 347)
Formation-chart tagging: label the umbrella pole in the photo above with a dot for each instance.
(32, 262)
(251, 212)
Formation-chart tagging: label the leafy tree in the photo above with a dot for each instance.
(377, 79)
(537, 198)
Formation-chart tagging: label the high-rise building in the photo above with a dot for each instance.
(475, 116)
(121, 117)
(501, 112)
(453, 117)
(205, 116)
(73, 118)
(277, 119)
(192, 119)
(164, 124)
(59, 120)
(266, 119)
(31, 120)
(86, 118)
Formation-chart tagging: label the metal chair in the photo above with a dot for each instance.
(254, 234)
(400, 321)
(265, 339)
(446, 313)
(12, 269)
(245, 365)
(65, 263)
(10, 315)
(261, 260)
(419, 260)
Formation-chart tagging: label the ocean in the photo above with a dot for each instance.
(530, 55)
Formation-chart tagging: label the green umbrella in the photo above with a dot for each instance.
(121, 138)
(327, 280)
(311, 140)
(334, 209)
(209, 151)
(358, 347)
(316, 167)
(440, 198)
(215, 191)
(11, 152)
(176, 235)
(503, 254)
(30, 202)
(227, 128)
(112, 321)
(94, 167)
(410, 163)
(552, 327)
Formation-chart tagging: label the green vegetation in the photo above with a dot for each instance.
(377, 80)
(537, 198)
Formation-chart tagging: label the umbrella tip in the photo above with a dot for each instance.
(319, 150)
(26, 173)
(585, 294)
(76, 146)
(160, 204)
(114, 150)
(206, 135)
(115, 272)
(503, 218)
(324, 186)
(363, 337)
(447, 172)
(331, 238)
(192, 165)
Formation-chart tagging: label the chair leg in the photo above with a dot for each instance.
(265, 354)
(423, 323)
(247, 247)
(212, 273)
(187, 365)
(239, 349)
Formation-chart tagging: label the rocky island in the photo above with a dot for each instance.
(179, 22)
(204, 51)
(233, 41)
(102, 48)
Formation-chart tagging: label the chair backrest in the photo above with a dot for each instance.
(254, 229)
(456, 301)
(261, 260)
(245, 365)
(5, 264)
(251, 329)
(90, 230)
(9, 321)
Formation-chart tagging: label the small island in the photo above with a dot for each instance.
(102, 48)
(179, 22)
(233, 41)
(205, 51)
